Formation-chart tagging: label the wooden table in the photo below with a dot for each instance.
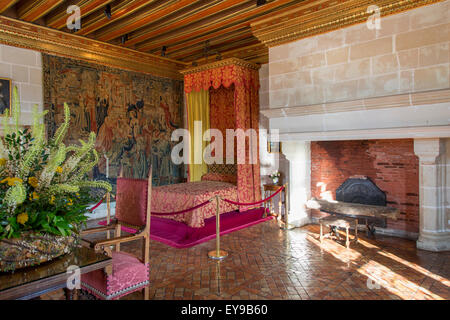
(334, 223)
(31, 282)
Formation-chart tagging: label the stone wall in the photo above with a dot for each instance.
(446, 170)
(410, 53)
(264, 87)
(24, 67)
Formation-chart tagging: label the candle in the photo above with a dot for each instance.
(107, 166)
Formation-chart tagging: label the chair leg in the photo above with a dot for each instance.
(356, 230)
(347, 242)
(147, 292)
(321, 233)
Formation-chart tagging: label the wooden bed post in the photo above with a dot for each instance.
(146, 242)
(118, 231)
(217, 254)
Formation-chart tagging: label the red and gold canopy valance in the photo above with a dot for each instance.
(225, 72)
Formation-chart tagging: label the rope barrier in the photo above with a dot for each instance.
(201, 205)
(97, 205)
(182, 211)
(254, 203)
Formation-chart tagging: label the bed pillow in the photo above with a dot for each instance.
(219, 177)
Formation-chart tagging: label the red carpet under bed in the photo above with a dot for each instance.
(179, 235)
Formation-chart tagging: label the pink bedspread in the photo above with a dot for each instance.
(181, 196)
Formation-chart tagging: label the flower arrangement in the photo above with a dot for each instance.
(44, 187)
(275, 176)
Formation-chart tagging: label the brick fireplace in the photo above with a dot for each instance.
(390, 164)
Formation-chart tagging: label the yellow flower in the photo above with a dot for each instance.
(11, 181)
(59, 169)
(70, 202)
(34, 196)
(33, 181)
(77, 194)
(52, 200)
(22, 218)
(2, 161)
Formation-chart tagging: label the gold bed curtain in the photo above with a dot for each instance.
(198, 110)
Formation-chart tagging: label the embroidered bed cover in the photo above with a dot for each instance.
(181, 196)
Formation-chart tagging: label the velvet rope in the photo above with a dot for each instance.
(182, 211)
(254, 203)
(97, 205)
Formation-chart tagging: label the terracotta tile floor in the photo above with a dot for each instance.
(266, 262)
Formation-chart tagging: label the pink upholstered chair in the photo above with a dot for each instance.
(129, 273)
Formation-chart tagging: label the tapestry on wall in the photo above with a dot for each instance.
(133, 115)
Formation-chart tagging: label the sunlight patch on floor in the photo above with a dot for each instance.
(417, 268)
(336, 249)
(380, 276)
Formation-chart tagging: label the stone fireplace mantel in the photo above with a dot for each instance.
(367, 134)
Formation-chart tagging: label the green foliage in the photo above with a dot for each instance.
(43, 184)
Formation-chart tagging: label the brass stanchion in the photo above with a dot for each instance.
(217, 254)
(108, 212)
(286, 225)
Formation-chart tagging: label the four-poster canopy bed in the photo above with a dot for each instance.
(222, 95)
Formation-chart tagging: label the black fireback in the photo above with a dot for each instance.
(362, 190)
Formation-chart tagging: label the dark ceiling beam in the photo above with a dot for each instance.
(202, 18)
(6, 4)
(237, 45)
(138, 21)
(33, 10)
(220, 27)
(148, 46)
(257, 52)
(57, 19)
(120, 9)
(213, 42)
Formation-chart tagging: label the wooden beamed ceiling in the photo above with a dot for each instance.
(182, 26)
(233, 28)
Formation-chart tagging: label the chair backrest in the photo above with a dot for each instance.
(131, 201)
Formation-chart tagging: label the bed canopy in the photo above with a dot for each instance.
(224, 95)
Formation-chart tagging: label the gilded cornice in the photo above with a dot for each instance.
(26, 35)
(219, 64)
(324, 17)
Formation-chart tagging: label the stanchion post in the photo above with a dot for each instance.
(108, 212)
(217, 254)
(280, 204)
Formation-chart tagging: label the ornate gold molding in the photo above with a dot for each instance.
(26, 35)
(219, 64)
(324, 17)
